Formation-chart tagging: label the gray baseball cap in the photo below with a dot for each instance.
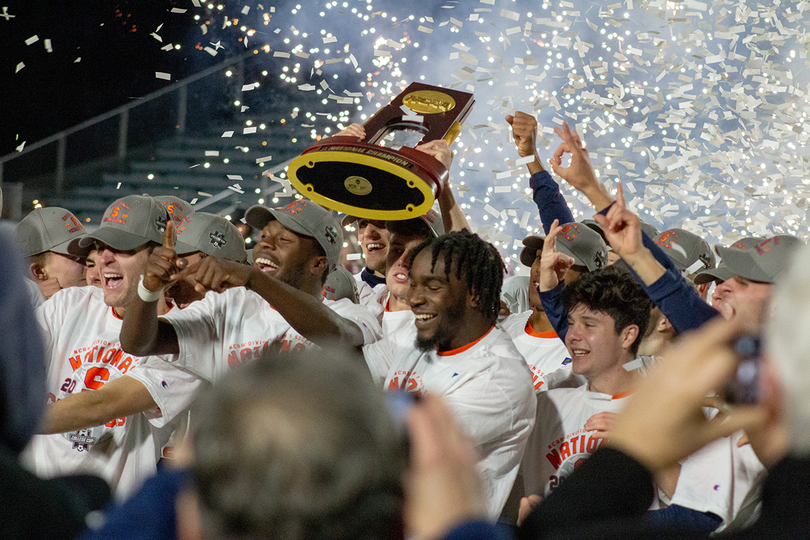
(213, 235)
(576, 240)
(688, 251)
(763, 262)
(306, 218)
(129, 222)
(178, 209)
(432, 219)
(340, 283)
(722, 272)
(48, 229)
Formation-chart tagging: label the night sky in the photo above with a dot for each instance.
(119, 59)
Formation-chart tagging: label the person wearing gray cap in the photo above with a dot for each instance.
(531, 330)
(746, 296)
(277, 303)
(81, 326)
(689, 253)
(201, 235)
(44, 235)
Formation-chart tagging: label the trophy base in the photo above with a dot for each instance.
(366, 180)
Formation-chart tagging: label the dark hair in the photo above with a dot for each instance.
(476, 262)
(409, 227)
(281, 451)
(612, 291)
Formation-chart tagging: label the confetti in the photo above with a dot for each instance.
(162, 75)
(32, 40)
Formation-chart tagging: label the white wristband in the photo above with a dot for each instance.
(147, 295)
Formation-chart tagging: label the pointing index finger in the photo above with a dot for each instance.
(169, 239)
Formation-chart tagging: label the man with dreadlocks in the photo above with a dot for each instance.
(454, 350)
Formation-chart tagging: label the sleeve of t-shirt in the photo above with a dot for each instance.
(174, 389)
(550, 202)
(553, 306)
(200, 330)
(364, 317)
(379, 358)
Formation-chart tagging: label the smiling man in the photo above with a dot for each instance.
(275, 304)
(83, 352)
(454, 350)
(607, 312)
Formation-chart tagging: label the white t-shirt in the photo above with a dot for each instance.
(559, 443)
(83, 351)
(515, 292)
(226, 329)
(366, 293)
(717, 478)
(488, 387)
(545, 353)
(391, 320)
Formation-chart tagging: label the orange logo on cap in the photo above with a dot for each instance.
(295, 207)
(569, 232)
(764, 247)
(117, 214)
(72, 224)
(666, 238)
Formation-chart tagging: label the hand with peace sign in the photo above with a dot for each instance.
(553, 264)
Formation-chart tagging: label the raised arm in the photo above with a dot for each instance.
(653, 269)
(550, 202)
(663, 283)
(553, 267)
(452, 215)
(305, 313)
(118, 398)
(142, 333)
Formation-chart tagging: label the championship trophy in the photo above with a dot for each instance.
(383, 177)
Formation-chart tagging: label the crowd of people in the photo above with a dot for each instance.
(159, 381)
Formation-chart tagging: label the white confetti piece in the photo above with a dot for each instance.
(21, 146)
(510, 14)
(234, 177)
(249, 87)
(249, 130)
(330, 39)
(236, 188)
(306, 87)
(32, 40)
(204, 194)
(209, 50)
(425, 29)
(20, 67)
(212, 153)
(227, 134)
(162, 75)
(280, 54)
(178, 10)
(48, 45)
(264, 159)
(157, 37)
(354, 256)
(245, 10)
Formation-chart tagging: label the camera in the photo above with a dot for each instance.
(743, 389)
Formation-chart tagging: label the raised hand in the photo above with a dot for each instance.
(212, 274)
(622, 228)
(162, 262)
(354, 130)
(524, 133)
(579, 173)
(553, 264)
(440, 150)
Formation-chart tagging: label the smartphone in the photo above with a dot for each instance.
(743, 389)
